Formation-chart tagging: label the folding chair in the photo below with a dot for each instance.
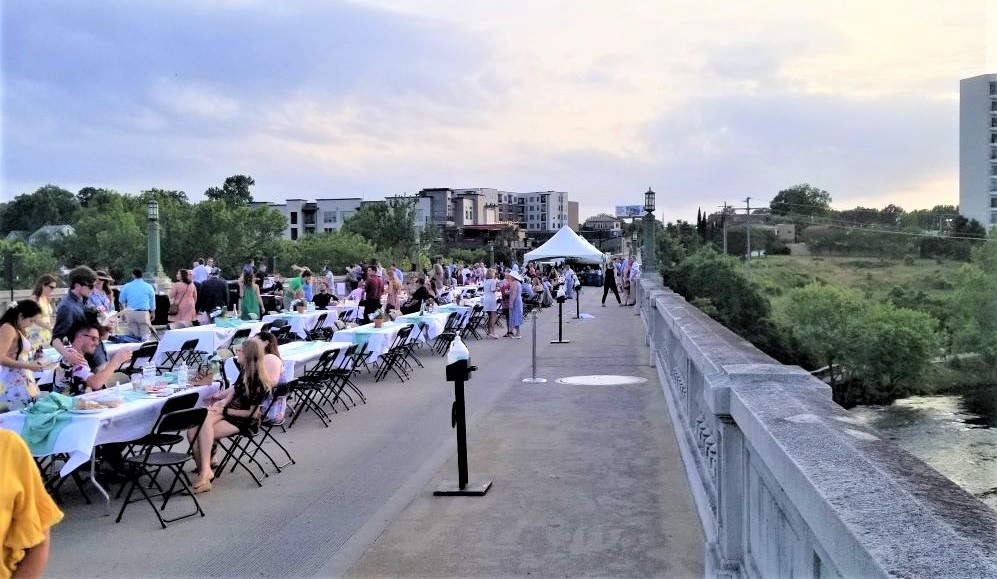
(181, 355)
(392, 360)
(342, 373)
(148, 463)
(310, 389)
(347, 315)
(280, 390)
(319, 331)
(237, 448)
(474, 321)
(53, 481)
(140, 357)
(283, 335)
(164, 440)
(448, 334)
(239, 337)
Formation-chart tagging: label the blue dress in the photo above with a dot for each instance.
(516, 307)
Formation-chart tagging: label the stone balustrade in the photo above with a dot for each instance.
(786, 482)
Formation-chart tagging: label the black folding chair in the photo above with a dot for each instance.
(342, 373)
(181, 355)
(392, 360)
(448, 334)
(474, 321)
(240, 336)
(347, 315)
(313, 388)
(140, 357)
(149, 462)
(283, 335)
(237, 449)
(319, 331)
(266, 426)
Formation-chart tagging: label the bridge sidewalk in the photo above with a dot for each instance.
(587, 480)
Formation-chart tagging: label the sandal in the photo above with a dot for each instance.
(201, 488)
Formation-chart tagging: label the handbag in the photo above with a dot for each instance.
(175, 308)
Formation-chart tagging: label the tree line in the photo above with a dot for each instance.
(874, 352)
(111, 231)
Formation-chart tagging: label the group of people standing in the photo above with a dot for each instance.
(620, 275)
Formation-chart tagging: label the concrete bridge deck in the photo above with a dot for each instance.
(588, 481)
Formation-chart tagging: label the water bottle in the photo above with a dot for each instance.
(149, 375)
(182, 371)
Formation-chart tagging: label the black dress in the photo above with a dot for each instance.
(246, 397)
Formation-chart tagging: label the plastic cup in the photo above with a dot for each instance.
(137, 381)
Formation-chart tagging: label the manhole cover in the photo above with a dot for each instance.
(601, 380)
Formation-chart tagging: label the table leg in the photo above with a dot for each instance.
(93, 481)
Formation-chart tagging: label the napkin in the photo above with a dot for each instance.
(44, 420)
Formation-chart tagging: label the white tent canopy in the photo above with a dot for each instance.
(567, 244)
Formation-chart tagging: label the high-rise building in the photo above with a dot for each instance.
(978, 149)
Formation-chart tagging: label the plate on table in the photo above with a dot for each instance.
(87, 410)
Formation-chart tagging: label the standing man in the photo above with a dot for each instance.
(72, 314)
(140, 299)
(609, 283)
(632, 282)
(373, 289)
(213, 294)
(200, 273)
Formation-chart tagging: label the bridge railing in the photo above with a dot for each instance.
(786, 482)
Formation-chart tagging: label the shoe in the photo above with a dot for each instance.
(603, 305)
(492, 336)
(201, 488)
(516, 337)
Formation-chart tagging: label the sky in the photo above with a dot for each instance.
(705, 102)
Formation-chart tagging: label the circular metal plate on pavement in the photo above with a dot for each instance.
(601, 380)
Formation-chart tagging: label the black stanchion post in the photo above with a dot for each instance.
(458, 372)
(578, 302)
(560, 321)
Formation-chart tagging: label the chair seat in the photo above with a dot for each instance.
(160, 458)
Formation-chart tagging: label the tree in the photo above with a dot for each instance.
(894, 348)
(48, 205)
(234, 192)
(823, 321)
(108, 235)
(29, 263)
(803, 199)
(388, 225)
(974, 306)
(334, 251)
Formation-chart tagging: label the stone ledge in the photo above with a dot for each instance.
(866, 517)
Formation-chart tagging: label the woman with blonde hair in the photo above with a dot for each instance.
(392, 291)
(235, 408)
(40, 334)
(489, 301)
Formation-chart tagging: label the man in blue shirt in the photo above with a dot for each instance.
(140, 299)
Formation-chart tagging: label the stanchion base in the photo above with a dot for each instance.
(560, 341)
(534, 380)
(450, 488)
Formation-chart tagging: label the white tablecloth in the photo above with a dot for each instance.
(303, 323)
(430, 325)
(378, 340)
(296, 357)
(209, 338)
(127, 422)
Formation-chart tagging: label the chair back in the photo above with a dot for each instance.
(346, 362)
(240, 336)
(180, 420)
(453, 322)
(189, 345)
(140, 357)
(320, 322)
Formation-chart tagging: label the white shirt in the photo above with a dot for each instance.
(200, 273)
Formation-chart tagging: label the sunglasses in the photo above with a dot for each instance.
(93, 337)
(87, 284)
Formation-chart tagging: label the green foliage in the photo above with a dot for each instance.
(334, 251)
(109, 234)
(974, 305)
(48, 205)
(883, 349)
(468, 255)
(29, 263)
(234, 192)
(803, 199)
(389, 226)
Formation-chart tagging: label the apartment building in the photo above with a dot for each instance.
(978, 148)
(305, 217)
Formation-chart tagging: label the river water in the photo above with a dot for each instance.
(955, 434)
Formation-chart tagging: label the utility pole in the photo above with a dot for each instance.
(723, 221)
(747, 203)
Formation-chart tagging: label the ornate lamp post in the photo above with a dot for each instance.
(650, 262)
(633, 243)
(491, 253)
(153, 268)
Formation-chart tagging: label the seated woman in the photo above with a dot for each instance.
(419, 297)
(235, 408)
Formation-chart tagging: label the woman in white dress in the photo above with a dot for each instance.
(17, 383)
(489, 301)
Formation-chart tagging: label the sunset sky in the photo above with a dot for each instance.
(703, 101)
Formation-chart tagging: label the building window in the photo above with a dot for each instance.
(329, 216)
(294, 220)
(993, 202)
(993, 88)
(993, 219)
(294, 233)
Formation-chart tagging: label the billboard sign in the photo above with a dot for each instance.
(628, 211)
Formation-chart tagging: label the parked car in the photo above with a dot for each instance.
(593, 278)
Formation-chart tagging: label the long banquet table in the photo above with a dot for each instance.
(209, 337)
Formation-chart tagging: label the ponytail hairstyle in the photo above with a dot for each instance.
(20, 310)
